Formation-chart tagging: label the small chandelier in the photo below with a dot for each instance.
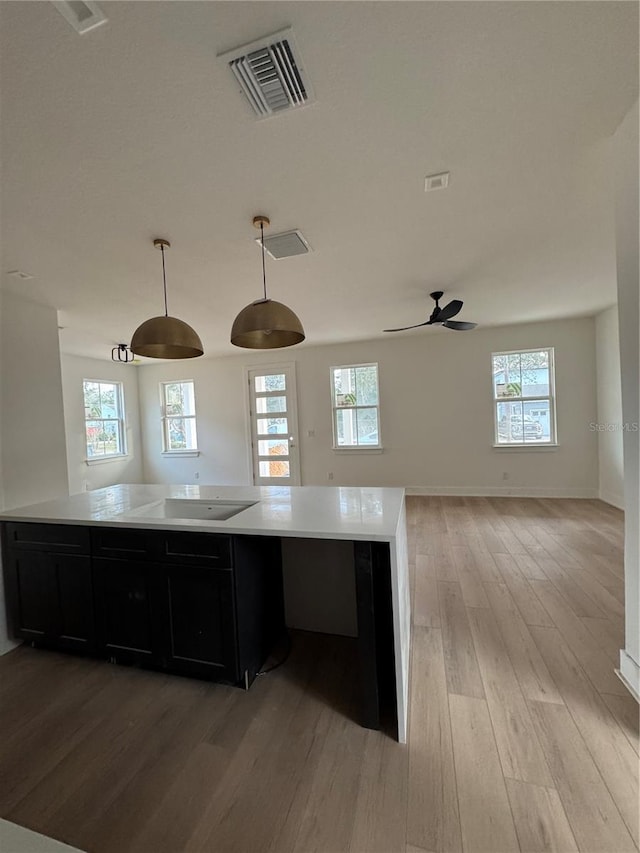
(122, 353)
(266, 324)
(165, 337)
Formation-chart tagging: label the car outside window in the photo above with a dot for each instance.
(524, 397)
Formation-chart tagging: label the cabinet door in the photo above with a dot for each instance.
(128, 610)
(50, 598)
(202, 635)
(74, 626)
(30, 591)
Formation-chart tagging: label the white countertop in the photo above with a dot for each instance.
(323, 512)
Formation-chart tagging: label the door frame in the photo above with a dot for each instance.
(292, 414)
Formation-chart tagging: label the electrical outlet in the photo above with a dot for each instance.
(330, 475)
(196, 476)
(505, 475)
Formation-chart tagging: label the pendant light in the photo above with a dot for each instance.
(266, 324)
(165, 337)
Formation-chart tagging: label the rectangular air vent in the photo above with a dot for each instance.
(83, 15)
(436, 182)
(270, 74)
(285, 245)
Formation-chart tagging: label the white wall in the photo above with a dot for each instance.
(609, 424)
(436, 414)
(5, 643)
(34, 463)
(627, 227)
(33, 455)
(84, 477)
(219, 391)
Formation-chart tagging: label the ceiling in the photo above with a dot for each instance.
(137, 130)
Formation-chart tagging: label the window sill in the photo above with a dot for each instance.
(104, 459)
(520, 447)
(178, 453)
(358, 450)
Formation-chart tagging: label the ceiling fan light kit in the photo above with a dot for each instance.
(165, 336)
(442, 316)
(265, 323)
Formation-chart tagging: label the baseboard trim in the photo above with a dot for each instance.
(502, 491)
(8, 645)
(610, 498)
(629, 674)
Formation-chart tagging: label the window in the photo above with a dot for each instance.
(354, 394)
(103, 419)
(524, 397)
(178, 417)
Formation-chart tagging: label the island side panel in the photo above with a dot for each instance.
(367, 640)
(376, 656)
(401, 600)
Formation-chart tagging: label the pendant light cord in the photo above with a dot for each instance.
(164, 280)
(264, 275)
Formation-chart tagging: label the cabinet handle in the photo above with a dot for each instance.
(136, 596)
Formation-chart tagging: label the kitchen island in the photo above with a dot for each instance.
(184, 530)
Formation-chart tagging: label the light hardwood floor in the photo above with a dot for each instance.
(521, 736)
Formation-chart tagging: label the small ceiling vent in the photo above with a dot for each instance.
(285, 245)
(270, 74)
(83, 15)
(436, 182)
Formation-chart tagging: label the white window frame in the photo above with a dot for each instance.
(550, 398)
(120, 420)
(167, 450)
(357, 448)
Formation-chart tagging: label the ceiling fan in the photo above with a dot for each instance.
(442, 316)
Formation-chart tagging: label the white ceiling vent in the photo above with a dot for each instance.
(285, 245)
(436, 182)
(270, 74)
(83, 15)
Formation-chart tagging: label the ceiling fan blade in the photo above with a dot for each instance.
(404, 328)
(449, 310)
(459, 326)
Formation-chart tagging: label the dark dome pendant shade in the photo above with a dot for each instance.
(165, 336)
(265, 323)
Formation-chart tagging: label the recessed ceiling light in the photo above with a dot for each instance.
(24, 276)
(436, 182)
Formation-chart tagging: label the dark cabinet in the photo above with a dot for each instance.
(59, 538)
(203, 604)
(201, 621)
(73, 595)
(51, 599)
(128, 610)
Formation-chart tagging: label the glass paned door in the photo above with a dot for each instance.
(274, 426)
